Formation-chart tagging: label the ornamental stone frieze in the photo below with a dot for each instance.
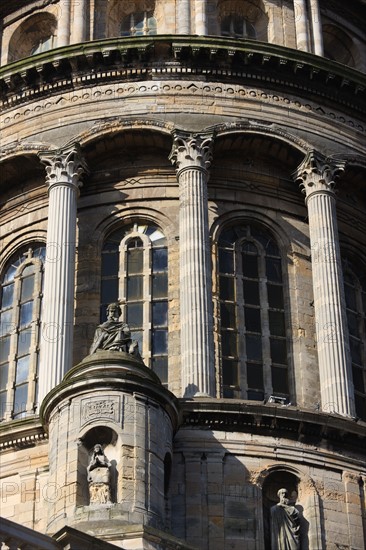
(317, 176)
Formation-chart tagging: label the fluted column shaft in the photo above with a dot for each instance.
(301, 25)
(79, 22)
(192, 156)
(201, 18)
(64, 20)
(317, 177)
(63, 168)
(183, 17)
(316, 27)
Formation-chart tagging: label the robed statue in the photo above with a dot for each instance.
(285, 524)
(99, 477)
(114, 335)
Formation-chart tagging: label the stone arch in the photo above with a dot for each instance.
(338, 45)
(34, 35)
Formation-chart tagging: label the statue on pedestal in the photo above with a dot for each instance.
(99, 477)
(114, 335)
(285, 524)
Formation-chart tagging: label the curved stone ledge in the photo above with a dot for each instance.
(163, 57)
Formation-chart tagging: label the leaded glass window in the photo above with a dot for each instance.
(355, 294)
(20, 312)
(252, 315)
(135, 273)
(139, 24)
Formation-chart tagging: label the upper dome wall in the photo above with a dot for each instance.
(332, 30)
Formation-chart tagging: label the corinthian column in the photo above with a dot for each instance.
(183, 17)
(63, 24)
(79, 22)
(301, 25)
(63, 171)
(316, 26)
(317, 176)
(191, 155)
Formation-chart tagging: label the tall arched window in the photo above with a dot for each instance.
(355, 293)
(21, 287)
(252, 315)
(135, 273)
(138, 24)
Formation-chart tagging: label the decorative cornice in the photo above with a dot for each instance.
(191, 151)
(318, 174)
(64, 166)
(137, 58)
(19, 434)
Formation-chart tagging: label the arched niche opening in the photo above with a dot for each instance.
(35, 35)
(279, 479)
(238, 19)
(106, 438)
(126, 18)
(338, 46)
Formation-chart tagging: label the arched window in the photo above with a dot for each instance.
(355, 293)
(237, 26)
(21, 287)
(252, 315)
(135, 272)
(338, 46)
(35, 35)
(138, 24)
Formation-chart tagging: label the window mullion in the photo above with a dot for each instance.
(147, 305)
(266, 345)
(240, 322)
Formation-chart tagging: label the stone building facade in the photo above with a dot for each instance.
(202, 164)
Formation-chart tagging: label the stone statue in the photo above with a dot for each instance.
(99, 477)
(114, 334)
(285, 524)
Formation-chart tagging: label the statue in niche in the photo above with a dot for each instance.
(99, 477)
(285, 524)
(114, 335)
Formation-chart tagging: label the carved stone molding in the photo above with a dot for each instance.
(318, 174)
(191, 151)
(64, 166)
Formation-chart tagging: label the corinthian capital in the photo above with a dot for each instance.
(191, 151)
(64, 166)
(318, 174)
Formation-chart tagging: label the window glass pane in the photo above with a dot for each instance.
(109, 291)
(7, 296)
(228, 343)
(277, 323)
(358, 380)
(350, 295)
(226, 288)
(4, 372)
(279, 380)
(352, 323)
(28, 270)
(251, 292)
(159, 341)
(20, 399)
(355, 351)
(22, 369)
(255, 395)
(227, 315)
(5, 322)
(250, 266)
(4, 349)
(360, 406)
(273, 270)
(3, 404)
(255, 376)
(230, 373)
(278, 351)
(138, 336)
(253, 347)
(160, 285)
(159, 259)
(252, 319)
(275, 296)
(135, 258)
(10, 272)
(24, 341)
(160, 314)
(25, 316)
(135, 287)
(160, 367)
(135, 315)
(226, 261)
(27, 288)
(110, 264)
